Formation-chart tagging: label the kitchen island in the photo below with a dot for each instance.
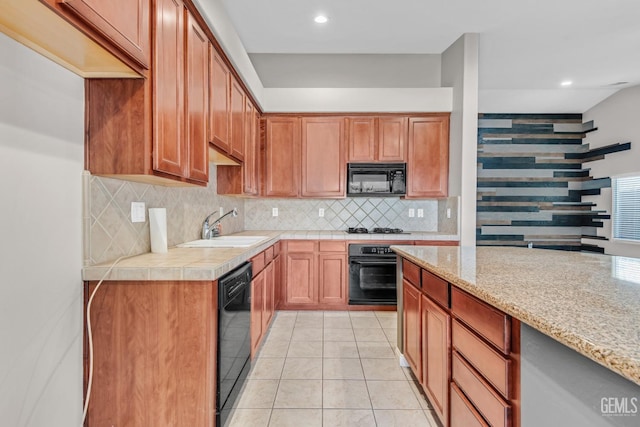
(574, 309)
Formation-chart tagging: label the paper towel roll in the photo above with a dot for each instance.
(158, 229)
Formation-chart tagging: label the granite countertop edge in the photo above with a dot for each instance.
(604, 355)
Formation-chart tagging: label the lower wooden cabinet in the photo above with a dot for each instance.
(262, 296)
(465, 353)
(412, 325)
(155, 353)
(315, 274)
(436, 348)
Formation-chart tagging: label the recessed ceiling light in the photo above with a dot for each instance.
(321, 19)
(566, 83)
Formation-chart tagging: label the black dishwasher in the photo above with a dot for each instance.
(234, 341)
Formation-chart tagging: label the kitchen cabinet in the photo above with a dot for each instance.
(220, 100)
(323, 157)
(250, 168)
(153, 130)
(428, 156)
(262, 296)
(464, 352)
(377, 139)
(436, 347)
(125, 23)
(237, 102)
(412, 336)
(282, 157)
(315, 274)
(155, 353)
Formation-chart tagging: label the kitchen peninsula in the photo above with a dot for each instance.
(550, 313)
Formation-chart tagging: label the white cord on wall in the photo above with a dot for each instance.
(90, 338)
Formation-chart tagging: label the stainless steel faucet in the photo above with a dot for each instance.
(213, 230)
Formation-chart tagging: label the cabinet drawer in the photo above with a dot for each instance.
(257, 264)
(301, 246)
(331, 246)
(488, 403)
(276, 249)
(463, 414)
(268, 255)
(411, 272)
(436, 288)
(488, 322)
(491, 364)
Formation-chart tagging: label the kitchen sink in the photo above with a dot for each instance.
(224, 242)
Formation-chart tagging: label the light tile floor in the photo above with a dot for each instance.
(331, 369)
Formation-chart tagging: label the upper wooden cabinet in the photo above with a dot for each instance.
(154, 130)
(125, 23)
(237, 120)
(428, 156)
(323, 164)
(282, 157)
(377, 139)
(219, 98)
(250, 166)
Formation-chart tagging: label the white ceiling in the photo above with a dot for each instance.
(527, 47)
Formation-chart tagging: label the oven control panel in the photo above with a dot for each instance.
(378, 250)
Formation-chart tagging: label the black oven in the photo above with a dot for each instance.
(372, 275)
(376, 179)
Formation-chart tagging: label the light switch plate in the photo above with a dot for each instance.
(138, 213)
(420, 213)
(274, 212)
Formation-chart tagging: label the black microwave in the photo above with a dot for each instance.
(376, 179)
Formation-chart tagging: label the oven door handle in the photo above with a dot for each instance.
(374, 262)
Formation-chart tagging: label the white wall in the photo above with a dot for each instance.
(617, 120)
(41, 161)
(460, 71)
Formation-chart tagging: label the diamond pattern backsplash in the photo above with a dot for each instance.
(340, 214)
(109, 232)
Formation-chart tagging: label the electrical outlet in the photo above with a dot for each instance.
(412, 213)
(321, 212)
(221, 212)
(448, 212)
(138, 212)
(274, 212)
(420, 213)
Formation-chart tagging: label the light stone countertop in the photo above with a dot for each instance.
(211, 263)
(589, 302)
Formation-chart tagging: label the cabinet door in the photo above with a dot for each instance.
(277, 281)
(269, 307)
(301, 278)
(428, 157)
(392, 134)
(361, 139)
(282, 168)
(323, 165)
(124, 22)
(436, 346)
(257, 308)
(250, 164)
(197, 102)
(170, 154)
(332, 278)
(237, 120)
(219, 100)
(412, 335)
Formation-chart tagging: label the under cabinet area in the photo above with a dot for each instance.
(464, 352)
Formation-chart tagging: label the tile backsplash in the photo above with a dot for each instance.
(109, 232)
(340, 214)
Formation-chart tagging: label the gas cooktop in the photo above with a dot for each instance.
(377, 230)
